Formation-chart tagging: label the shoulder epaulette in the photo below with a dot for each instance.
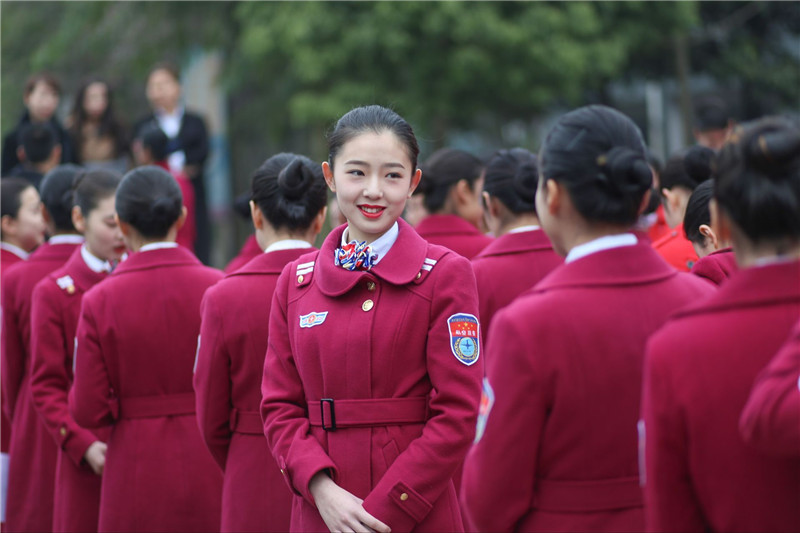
(65, 283)
(304, 273)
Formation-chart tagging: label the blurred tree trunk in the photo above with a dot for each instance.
(680, 42)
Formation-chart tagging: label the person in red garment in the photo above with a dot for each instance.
(556, 443)
(683, 173)
(451, 191)
(716, 261)
(134, 354)
(54, 319)
(770, 420)
(22, 231)
(521, 254)
(373, 369)
(288, 211)
(699, 368)
(32, 452)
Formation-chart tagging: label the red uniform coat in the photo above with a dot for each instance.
(453, 232)
(676, 249)
(377, 345)
(136, 346)
(249, 250)
(700, 475)
(771, 418)
(509, 266)
(659, 228)
(559, 451)
(227, 380)
(717, 266)
(54, 320)
(31, 472)
(7, 258)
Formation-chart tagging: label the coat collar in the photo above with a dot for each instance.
(512, 243)
(400, 266)
(49, 252)
(271, 262)
(617, 266)
(162, 257)
(83, 276)
(757, 286)
(446, 225)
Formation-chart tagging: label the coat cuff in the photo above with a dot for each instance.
(76, 443)
(401, 509)
(298, 477)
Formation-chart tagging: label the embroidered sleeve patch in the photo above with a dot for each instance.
(312, 319)
(464, 342)
(487, 401)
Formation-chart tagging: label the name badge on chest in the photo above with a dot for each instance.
(312, 319)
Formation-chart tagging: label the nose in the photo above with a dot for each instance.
(372, 188)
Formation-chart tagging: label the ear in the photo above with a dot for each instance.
(256, 215)
(327, 171)
(124, 227)
(319, 220)
(21, 153)
(719, 222)
(462, 191)
(645, 202)
(55, 155)
(415, 179)
(552, 196)
(181, 219)
(670, 199)
(78, 219)
(8, 225)
(708, 233)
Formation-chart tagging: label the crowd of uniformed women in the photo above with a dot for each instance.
(564, 339)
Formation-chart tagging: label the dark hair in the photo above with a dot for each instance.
(11, 190)
(150, 200)
(688, 168)
(697, 212)
(512, 177)
(711, 114)
(758, 179)
(38, 141)
(290, 190)
(154, 139)
(109, 125)
(93, 186)
(376, 119)
(170, 68)
(42, 77)
(443, 169)
(56, 192)
(598, 154)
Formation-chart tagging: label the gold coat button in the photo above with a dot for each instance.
(419, 275)
(299, 279)
(71, 289)
(403, 497)
(63, 431)
(367, 305)
(370, 286)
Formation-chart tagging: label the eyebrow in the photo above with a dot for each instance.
(364, 163)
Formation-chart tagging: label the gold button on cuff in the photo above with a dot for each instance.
(419, 275)
(403, 497)
(63, 432)
(370, 286)
(367, 305)
(299, 279)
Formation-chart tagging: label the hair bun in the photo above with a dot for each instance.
(698, 163)
(294, 179)
(163, 205)
(624, 171)
(772, 152)
(525, 181)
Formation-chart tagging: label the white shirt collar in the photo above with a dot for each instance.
(287, 244)
(773, 260)
(66, 239)
(16, 250)
(382, 244)
(93, 262)
(158, 246)
(598, 245)
(522, 229)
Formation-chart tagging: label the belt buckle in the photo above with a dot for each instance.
(322, 402)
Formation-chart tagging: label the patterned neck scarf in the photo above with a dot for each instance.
(354, 256)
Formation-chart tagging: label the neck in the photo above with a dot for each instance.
(517, 222)
(136, 241)
(586, 233)
(749, 254)
(268, 236)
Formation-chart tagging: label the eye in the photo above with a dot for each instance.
(394, 175)
(355, 172)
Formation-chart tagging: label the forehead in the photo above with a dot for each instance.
(29, 196)
(375, 148)
(161, 76)
(43, 86)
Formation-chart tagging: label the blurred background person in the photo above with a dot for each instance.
(712, 123)
(38, 152)
(41, 95)
(99, 137)
(188, 145)
(716, 261)
(451, 185)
